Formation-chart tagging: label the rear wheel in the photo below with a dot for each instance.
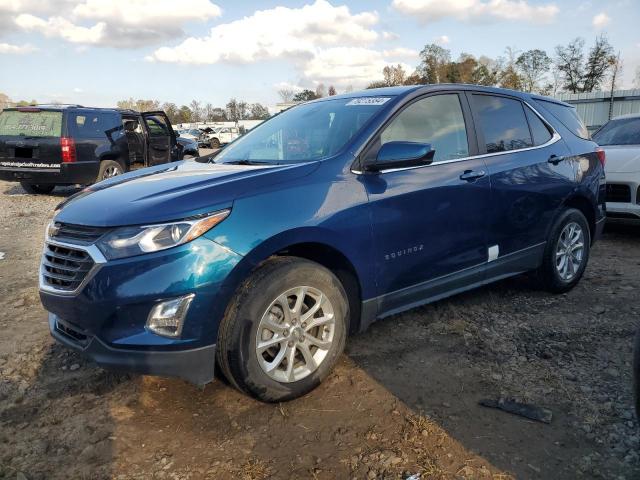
(284, 330)
(566, 253)
(109, 169)
(36, 188)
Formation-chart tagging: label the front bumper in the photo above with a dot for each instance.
(195, 365)
(107, 315)
(624, 211)
(67, 174)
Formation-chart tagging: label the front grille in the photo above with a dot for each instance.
(618, 193)
(64, 268)
(80, 234)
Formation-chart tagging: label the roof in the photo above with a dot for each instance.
(59, 107)
(405, 89)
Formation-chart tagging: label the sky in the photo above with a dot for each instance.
(96, 52)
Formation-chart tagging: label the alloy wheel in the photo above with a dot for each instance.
(570, 251)
(111, 172)
(295, 334)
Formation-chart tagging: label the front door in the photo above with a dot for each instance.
(160, 137)
(429, 222)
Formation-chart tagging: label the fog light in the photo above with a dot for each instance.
(166, 318)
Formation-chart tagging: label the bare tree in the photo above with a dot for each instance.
(601, 58)
(196, 111)
(286, 94)
(394, 75)
(237, 110)
(320, 90)
(332, 90)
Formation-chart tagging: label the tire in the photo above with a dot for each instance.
(109, 169)
(215, 143)
(636, 372)
(550, 273)
(256, 307)
(37, 189)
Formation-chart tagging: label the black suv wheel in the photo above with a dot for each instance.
(109, 169)
(284, 330)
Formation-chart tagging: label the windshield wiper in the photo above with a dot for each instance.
(247, 162)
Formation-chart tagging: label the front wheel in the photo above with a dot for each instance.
(35, 188)
(284, 330)
(566, 253)
(109, 169)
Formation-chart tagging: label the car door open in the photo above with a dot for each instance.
(161, 137)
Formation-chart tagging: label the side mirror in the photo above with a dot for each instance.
(401, 155)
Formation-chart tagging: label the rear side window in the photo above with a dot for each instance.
(539, 130)
(93, 124)
(503, 123)
(624, 131)
(568, 116)
(436, 120)
(30, 124)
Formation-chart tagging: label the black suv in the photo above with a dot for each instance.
(45, 146)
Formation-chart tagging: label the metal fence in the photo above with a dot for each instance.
(597, 108)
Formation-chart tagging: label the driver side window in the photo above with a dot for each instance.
(437, 120)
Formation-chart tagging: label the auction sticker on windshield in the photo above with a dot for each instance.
(368, 101)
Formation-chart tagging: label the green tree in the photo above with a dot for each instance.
(184, 115)
(433, 59)
(171, 110)
(533, 66)
(237, 110)
(305, 96)
(258, 111)
(599, 61)
(569, 61)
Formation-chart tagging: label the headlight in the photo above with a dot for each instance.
(130, 241)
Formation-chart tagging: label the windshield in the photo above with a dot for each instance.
(624, 131)
(312, 131)
(30, 123)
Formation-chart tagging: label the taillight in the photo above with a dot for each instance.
(68, 149)
(602, 156)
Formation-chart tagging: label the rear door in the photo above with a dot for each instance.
(30, 139)
(161, 137)
(530, 177)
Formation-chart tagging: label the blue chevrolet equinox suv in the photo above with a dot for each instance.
(323, 219)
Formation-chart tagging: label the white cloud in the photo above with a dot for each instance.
(7, 48)
(390, 36)
(601, 20)
(442, 40)
(343, 66)
(116, 23)
(432, 10)
(279, 32)
(401, 52)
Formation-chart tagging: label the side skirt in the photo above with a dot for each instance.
(442, 287)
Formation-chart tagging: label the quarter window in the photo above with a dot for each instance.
(539, 130)
(437, 120)
(503, 123)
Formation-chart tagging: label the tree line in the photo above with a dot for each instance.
(196, 111)
(571, 69)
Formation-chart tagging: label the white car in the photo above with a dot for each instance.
(620, 138)
(222, 135)
(192, 134)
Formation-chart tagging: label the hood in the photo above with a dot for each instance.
(172, 192)
(622, 158)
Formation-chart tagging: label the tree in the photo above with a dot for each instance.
(320, 90)
(394, 75)
(599, 61)
(432, 59)
(377, 84)
(332, 90)
(509, 76)
(196, 111)
(184, 115)
(305, 96)
(286, 94)
(171, 110)
(237, 110)
(532, 66)
(258, 111)
(569, 62)
(218, 115)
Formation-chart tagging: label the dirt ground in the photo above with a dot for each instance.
(403, 400)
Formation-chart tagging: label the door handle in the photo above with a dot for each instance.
(470, 175)
(555, 159)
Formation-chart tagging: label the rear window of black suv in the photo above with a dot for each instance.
(30, 123)
(568, 116)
